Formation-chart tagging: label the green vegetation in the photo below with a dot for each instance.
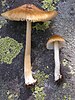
(39, 93)
(38, 90)
(47, 5)
(65, 85)
(3, 2)
(40, 76)
(65, 62)
(9, 49)
(4, 5)
(12, 95)
(2, 22)
(42, 26)
(67, 97)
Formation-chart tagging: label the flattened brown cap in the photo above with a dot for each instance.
(55, 38)
(29, 12)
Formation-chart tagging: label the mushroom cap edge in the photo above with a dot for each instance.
(55, 38)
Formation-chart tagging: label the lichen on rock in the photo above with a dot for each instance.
(2, 22)
(9, 49)
(38, 90)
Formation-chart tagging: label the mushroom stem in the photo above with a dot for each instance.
(27, 60)
(57, 61)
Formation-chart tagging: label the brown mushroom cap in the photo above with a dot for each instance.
(29, 12)
(55, 38)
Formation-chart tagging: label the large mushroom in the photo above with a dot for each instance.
(56, 41)
(30, 13)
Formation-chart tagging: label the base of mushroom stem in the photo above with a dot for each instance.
(58, 77)
(30, 80)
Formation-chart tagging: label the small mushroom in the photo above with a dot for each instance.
(30, 13)
(56, 41)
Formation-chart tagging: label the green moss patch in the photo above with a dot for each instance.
(9, 49)
(42, 26)
(12, 95)
(38, 90)
(47, 5)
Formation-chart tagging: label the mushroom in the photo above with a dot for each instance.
(30, 13)
(57, 41)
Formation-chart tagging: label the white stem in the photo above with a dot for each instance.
(57, 61)
(27, 60)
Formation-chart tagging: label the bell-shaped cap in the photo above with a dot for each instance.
(29, 12)
(55, 38)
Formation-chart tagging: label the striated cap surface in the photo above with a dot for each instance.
(29, 12)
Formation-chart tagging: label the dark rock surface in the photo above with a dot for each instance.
(11, 76)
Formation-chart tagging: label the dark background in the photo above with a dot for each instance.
(11, 76)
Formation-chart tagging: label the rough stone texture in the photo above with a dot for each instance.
(64, 25)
